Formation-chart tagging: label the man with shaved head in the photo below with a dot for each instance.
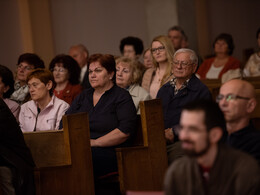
(237, 101)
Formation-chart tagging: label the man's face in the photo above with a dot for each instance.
(182, 67)
(233, 109)
(193, 133)
(79, 56)
(176, 38)
(129, 52)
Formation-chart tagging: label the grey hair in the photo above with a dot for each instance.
(193, 55)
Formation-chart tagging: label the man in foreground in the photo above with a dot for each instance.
(209, 167)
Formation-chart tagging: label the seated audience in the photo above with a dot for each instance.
(16, 169)
(223, 66)
(237, 101)
(26, 63)
(148, 59)
(45, 110)
(66, 73)
(154, 78)
(209, 167)
(7, 88)
(252, 67)
(127, 76)
(111, 111)
(81, 54)
(132, 47)
(182, 89)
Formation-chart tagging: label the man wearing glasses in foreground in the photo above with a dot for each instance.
(237, 101)
(182, 89)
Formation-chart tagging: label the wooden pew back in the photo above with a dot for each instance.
(143, 167)
(63, 158)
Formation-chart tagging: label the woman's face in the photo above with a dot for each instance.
(99, 76)
(148, 60)
(60, 74)
(159, 52)
(221, 47)
(3, 88)
(23, 69)
(123, 74)
(38, 90)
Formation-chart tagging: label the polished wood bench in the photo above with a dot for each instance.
(143, 167)
(63, 158)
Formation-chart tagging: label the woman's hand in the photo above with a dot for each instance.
(113, 138)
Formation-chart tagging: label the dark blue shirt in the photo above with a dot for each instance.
(247, 140)
(172, 104)
(115, 109)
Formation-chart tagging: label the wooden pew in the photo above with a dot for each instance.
(143, 167)
(213, 85)
(63, 158)
(255, 81)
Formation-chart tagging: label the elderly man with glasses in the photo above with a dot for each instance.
(237, 101)
(182, 89)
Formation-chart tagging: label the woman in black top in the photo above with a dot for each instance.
(112, 114)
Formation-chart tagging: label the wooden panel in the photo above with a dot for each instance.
(143, 167)
(144, 193)
(48, 148)
(75, 177)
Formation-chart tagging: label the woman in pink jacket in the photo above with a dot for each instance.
(44, 111)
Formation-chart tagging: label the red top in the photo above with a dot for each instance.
(69, 93)
(231, 64)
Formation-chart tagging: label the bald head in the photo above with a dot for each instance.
(237, 101)
(79, 53)
(239, 87)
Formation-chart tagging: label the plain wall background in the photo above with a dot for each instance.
(55, 25)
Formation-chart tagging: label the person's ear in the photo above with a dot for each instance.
(49, 85)
(6, 88)
(111, 75)
(194, 68)
(215, 134)
(251, 104)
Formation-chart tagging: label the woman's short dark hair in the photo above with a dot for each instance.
(70, 64)
(32, 59)
(106, 60)
(44, 76)
(8, 80)
(228, 39)
(135, 42)
(257, 33)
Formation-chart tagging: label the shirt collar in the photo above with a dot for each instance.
(183, 86)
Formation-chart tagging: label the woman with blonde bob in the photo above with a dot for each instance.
(162, 52)
(127, 76)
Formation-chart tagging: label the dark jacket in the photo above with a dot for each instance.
(233, 172)
(14, 152)
(172, 104)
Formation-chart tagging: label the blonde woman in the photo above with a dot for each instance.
(127, 77)
(162, 52)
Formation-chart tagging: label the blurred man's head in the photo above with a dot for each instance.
(202, 126)
(80, 54)
(131, 47)
(178, 37)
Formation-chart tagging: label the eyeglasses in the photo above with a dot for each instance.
(28, 68)
(160, 49)
(230, 97)
(61, 70)
(182, 63)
